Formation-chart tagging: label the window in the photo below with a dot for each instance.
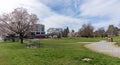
(37, 32)
(42, 32)
(32, 33)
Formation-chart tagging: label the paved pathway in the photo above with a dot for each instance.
(105, 47)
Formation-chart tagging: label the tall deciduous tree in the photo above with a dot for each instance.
(112, 30)
(100, 32)
(86, 30)
(19, 22)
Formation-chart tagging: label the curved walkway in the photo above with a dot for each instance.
(105, 47)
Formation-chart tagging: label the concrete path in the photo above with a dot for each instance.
(105, 47)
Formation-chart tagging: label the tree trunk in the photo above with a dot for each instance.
(13, 37)
(21, 38)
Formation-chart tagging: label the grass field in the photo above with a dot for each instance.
(117, 40)
(54, 52)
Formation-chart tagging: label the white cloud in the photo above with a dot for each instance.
(33, 6)
(104, 24)
(48, 17)
(8, 5)
(90, 8)
(63, 21)
(101, 8)
(64, 7)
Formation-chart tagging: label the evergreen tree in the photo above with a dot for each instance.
(65, 32)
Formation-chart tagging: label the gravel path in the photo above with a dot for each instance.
(105, 47)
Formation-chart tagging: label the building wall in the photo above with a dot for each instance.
(38, 31)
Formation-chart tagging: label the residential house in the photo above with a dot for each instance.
(54, 32)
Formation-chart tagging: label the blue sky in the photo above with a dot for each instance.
(71, 13)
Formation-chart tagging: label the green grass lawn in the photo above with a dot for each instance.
(72, 40)
(54, 52)
(117, 40)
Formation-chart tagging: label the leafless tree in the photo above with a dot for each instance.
(86, 30)
(19, 22)
(100, 32)
(112, 30)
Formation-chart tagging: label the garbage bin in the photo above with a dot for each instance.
(110, 39)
